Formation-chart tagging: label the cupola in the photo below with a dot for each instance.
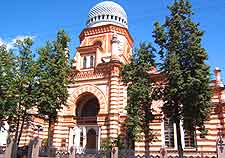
(107, 12)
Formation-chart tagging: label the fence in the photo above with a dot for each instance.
(105, 154)
(138, 156)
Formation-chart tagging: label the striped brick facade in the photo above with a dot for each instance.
(96, 76)
(102, 81)
(207, 145)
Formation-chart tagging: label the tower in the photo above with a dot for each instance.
(97, 97)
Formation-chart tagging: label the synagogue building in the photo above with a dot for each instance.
(98, 97)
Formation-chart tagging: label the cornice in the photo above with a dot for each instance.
(91, 48)
(110, 28)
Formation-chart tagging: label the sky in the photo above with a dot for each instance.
(41, 19)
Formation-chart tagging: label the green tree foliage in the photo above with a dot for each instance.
(27, 84)
(7, 68)
(186, 94)
(53, 70)
(140, 87)
(24, 80)
(108, 145)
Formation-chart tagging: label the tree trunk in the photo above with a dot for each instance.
(132, 145)
(179, 144)
(21, 130)
(147, 140)
(147, 133)
(14, 146)
(50, 131)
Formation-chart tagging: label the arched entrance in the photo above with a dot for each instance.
(87, 109)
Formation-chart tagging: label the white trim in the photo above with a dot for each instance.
(163, 134)
(99, 138)
(84, 137)
(88, 61)
(175, 136)
(182, 134)
(71, 134)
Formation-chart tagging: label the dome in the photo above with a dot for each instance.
(107, 12)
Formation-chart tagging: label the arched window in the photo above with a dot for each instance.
(91, 61)
(85, 62)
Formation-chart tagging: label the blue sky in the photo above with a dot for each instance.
(41, 19)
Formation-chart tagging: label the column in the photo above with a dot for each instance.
(99, 138)
(77, 131)
(84, 137)
(71, 133)
(114, 101)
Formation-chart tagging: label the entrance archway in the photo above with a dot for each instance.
(87, 109)
(87, 112)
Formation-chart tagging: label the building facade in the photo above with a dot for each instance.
(97, 97)
(96, 106)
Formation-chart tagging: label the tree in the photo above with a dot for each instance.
(7, 67)
(186, 93)
(53, 70)
(24, 95)
(136, 76)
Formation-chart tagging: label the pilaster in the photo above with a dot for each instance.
(114, 98)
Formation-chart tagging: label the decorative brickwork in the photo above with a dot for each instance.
(88, 89)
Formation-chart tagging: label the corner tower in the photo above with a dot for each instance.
(97, 96)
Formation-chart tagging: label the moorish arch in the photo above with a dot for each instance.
(91, 89)
(87, 102)
(87, 105)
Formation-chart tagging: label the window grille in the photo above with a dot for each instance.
(169, 133)
(189, 138)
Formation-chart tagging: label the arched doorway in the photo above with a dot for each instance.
(87, 111)
(91, 140)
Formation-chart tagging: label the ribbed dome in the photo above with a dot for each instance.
(107, 12)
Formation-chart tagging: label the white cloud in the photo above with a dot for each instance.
(2, 42)
(11, 44)
(21, 38)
